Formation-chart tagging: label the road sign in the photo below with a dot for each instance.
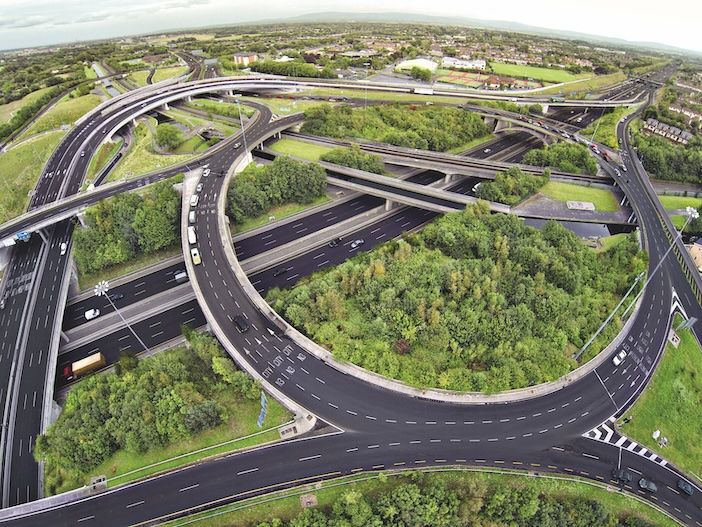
(23, 236)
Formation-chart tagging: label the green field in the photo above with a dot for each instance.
(20, 168)
(679, 202)
(280, 212)
(166, 73)
(101, 157)
(611, 241)
(590, 85)
(193, 121)
(65, 112)
(89, 73)
(140, 158)
(220, 108)
(286, 505)
(9, 109)
(302, 149)
(138, 77)
(671, 404)
(603, 200)
(534, 72)
(605, 128)
(678, 220)
(284, 106)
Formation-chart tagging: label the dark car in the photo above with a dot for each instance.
(241, 324)
(685, 487)
(647, 484)
(335, 242)
(115, 296)
(621, 475)
(280, 271)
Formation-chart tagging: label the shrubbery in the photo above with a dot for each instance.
(433, 128)
(118, 228)
(258, 188)
(292, 69)
(511, 187)
(567, 157)
(353, 157)
(667, 161)
(477, 301)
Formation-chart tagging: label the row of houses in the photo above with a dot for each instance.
(686, 112)
(671, 133)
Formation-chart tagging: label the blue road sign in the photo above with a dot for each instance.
(23, 236)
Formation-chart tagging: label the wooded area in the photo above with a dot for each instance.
(353, 157)
(512, 186)
(475, 302)
(258, 188)
(427, 127)
(568, 157)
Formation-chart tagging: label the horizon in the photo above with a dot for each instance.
(20, 31)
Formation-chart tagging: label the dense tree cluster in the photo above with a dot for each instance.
(27, 112)
(146, 404)
(422, 74)
(353, 157)
(476, 302)
(292, 68)
(568, 157)
(473, 502)
(667, 161)
(511, 187)
(118, 228)
(168, 136)
(258, 188)
(429, 127)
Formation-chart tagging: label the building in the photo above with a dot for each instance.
(672, 133)
(245, 58)
(360, 53)
(474, 64)
(425, 64)
(686, 112)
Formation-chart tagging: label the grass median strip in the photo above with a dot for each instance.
(679, 202)
(302, 149)
(603, 200)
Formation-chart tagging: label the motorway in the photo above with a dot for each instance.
(387, 429)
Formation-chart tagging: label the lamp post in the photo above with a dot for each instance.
(101, 289)
(692, 214)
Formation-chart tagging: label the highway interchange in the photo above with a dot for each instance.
(370, 427)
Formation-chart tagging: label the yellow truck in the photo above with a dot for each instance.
(81, 367)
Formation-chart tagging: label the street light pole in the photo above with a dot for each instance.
(101, 289)
(692, 214)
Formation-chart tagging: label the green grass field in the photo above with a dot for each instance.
(20, 168)
(585, 86)
(65, 112)
(166, 73)
(9, 109)
(679, 202)
(138, 77)
(101, 157)
(678, 220)
(605, 128)
(611, 241)
(603, 200)
(140, 158)
(280, 212)
(534, 72)
(124, 467)
(286, 505)
(193, 121)
(302, 149)
(671, 404)
(284, 106)
(220, 108)
(89, 73)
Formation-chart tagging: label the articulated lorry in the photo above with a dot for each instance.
(81, 367)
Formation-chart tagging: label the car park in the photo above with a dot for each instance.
(357, 243)
(90, 314)
(619, 357)
(242, 325)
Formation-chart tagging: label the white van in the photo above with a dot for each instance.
(91, 314)
(191, 216)
(192, 239)
(194, 199)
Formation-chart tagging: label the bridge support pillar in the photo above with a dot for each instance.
(81, 218)
(64, 337)
(44, 238)
(189, 98)
(165, 106)
(621, 203)
(389, 204)
(448, 178)
(632, 218)
(230, 93)
(490, 122)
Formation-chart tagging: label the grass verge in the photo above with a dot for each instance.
(679, 202)
(303, 149)
(280, 212)
(603, 200)
(671, 404)
(20, 169)
(605, 128)
(611, 241)
(535, 72)
(167, 73)
(678, 220)
(139, 77)
(286, 505)
(9, 109)
(101, 157)
(284, 106)
(65, 112)
(586, 86)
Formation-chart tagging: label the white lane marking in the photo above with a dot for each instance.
(189, 488)
(308, 458)
(135, 504)
(247, 471)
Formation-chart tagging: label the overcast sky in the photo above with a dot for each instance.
(26, 23)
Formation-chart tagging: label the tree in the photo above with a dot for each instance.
(353, 157)
(168, 136)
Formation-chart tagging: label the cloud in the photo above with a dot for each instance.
(23, 22)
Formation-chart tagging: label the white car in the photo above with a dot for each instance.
(64, 246)
(618, 358)
(477, 186)
(487, 150)
(357, 243)
(198, 188)
(91, 314)
(195, 254)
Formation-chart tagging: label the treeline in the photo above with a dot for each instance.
(511, 187)
(119, 228)
(26, 113)
(429, 128)
(292, 68)
(429, 501)
(567, 157)
(145, 404)
(663, 160)
(259, 188)
(353, 157)
(475, 302)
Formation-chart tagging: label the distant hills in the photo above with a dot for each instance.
(504, 25)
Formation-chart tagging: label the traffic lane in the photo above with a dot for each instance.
(153, 331)
(132, 291)
(518, 156)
